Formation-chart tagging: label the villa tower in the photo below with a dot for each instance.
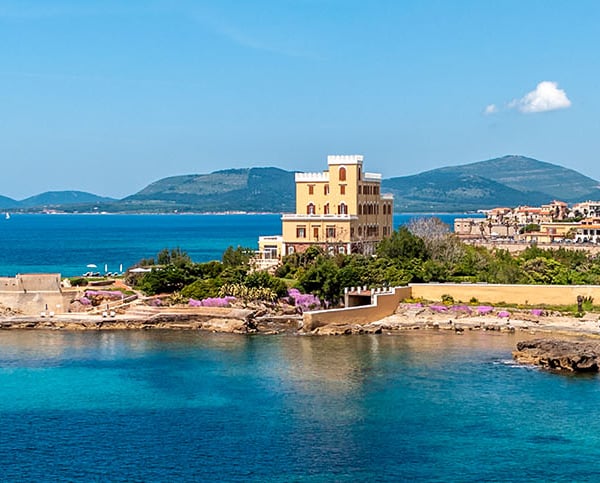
(341, 209)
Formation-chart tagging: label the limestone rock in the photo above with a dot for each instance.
(559, 355)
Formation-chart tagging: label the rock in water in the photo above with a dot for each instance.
(559, 355)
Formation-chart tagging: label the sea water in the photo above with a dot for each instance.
(189, 406)
(67, 244)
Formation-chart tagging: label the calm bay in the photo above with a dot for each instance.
(193, 406)
(188, 406)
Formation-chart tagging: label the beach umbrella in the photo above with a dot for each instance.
(91, 265)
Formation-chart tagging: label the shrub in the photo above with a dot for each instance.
(304, 302)
(438, 308)
(212, 302)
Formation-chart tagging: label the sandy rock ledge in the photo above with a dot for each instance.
(559, 355)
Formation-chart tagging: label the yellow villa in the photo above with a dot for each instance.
(341, 210)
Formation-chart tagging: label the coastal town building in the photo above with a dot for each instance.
(549, 224)
(586, 209)
(341, 210)
(588, 231)
(555, 232)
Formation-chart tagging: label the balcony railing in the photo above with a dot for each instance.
(330, 217)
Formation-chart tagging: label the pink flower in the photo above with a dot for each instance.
(438, 308)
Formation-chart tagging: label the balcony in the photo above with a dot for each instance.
(376, 177)
(330, 217)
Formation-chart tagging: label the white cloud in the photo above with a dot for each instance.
(546, 97)
(491, 109)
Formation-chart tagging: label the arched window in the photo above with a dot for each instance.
(310, 209)
(326, 209)
(342, 174)
(342, 209)
(360, 231)
(359, 209)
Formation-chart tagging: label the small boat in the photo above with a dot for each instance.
(7, 216)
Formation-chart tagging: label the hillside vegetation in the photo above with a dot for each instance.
(507, 181)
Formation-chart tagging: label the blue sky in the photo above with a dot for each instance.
(108, 96)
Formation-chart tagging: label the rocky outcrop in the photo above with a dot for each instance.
(559, 355)
(346, 329)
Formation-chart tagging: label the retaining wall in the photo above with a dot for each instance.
(510, 294)
(385, 304)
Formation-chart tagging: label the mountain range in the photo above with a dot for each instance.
(506, 181)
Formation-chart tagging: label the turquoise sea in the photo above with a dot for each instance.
(68, 243)
(187, 406)
(191, 406)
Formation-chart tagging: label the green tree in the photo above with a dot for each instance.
(401, 245)
(321, 279)
(237, 257)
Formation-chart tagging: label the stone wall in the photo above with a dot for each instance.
(511, 294)
(384, 305)
(33, 293)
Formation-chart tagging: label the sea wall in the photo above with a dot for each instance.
(384, 304)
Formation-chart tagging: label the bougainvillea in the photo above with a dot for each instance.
(461, 308)
(438, 308)
(484, 309)
(304, 301)
(503, 313)
(537, 312)
(212, 302)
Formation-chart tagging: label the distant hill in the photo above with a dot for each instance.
(59, 198)
(249, 189)
(506, 181)
(437, 191)
(530, 175)
(7, 203)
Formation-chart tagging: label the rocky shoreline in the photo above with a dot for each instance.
(234, 321)
(564, 355)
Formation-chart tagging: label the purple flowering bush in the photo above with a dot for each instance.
(212, 302)
(484, 309)
(85, 301)
(438, 308)
(537, 312)
(503, 313)
(461, 308)
(304, 301)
